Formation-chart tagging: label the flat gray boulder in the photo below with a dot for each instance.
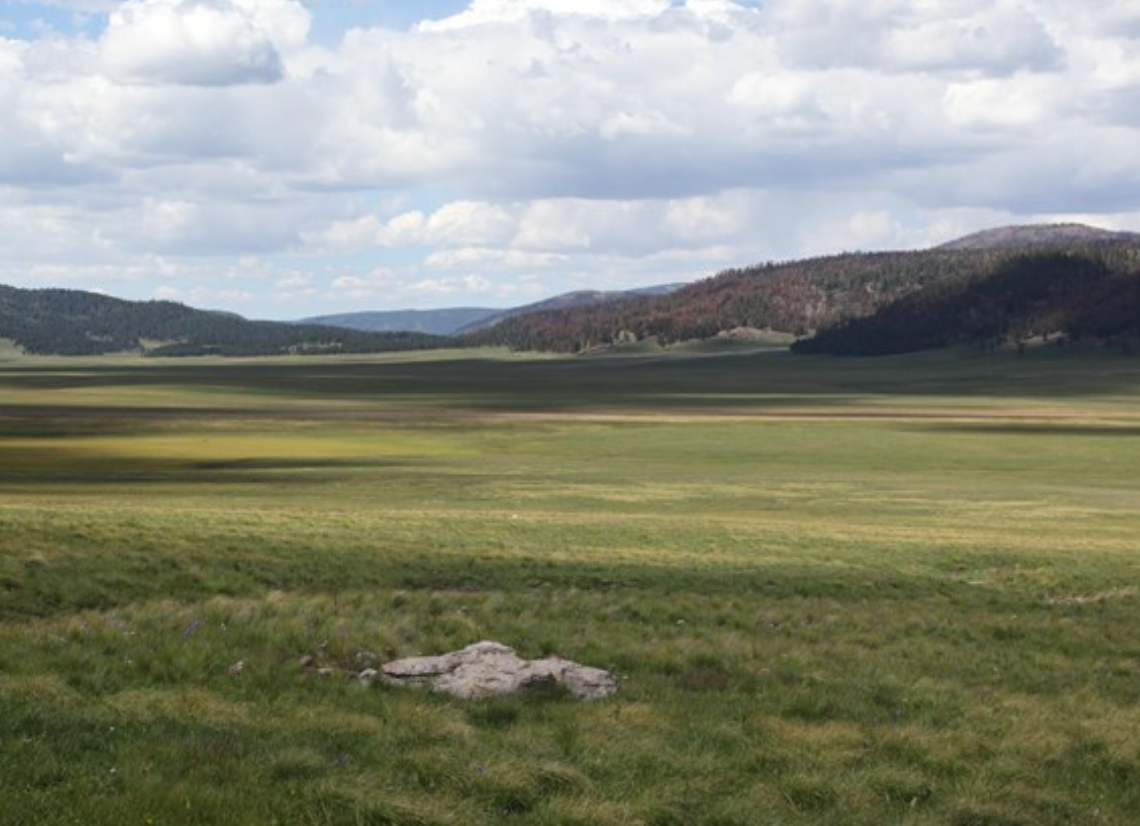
(491, 669)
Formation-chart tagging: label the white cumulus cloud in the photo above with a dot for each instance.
(202, 42)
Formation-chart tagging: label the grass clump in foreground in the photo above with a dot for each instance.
(851, 592)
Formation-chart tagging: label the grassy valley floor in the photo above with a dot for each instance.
(866, 592)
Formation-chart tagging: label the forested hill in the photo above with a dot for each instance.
(830, 294)
(797, 297)
(72, 322)
(1082, 293)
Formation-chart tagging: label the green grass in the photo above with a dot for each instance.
(899, 591)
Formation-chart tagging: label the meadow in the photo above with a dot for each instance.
(858, 591)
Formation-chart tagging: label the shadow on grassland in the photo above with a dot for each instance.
(46, 464)
(673, 381)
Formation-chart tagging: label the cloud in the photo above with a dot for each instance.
(528, 99)
(462, 222)
(544, 229)
(905, 36)
(408, 286)
(493, 260)
(1017, 103)
(364, 286)
(202, 42)
(512, 12)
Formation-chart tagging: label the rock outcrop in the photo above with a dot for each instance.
(491, 669)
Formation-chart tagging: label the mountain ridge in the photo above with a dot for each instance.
(74, 322)
(808, 296)
(459, 320)
(1026, 236)
(443, 322)
(576, 298)
(1004, 284)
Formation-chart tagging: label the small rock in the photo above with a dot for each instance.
(368, 676)
(587, 683)
(326, 672)
(308, 661)
(238, 667)
(491, 669)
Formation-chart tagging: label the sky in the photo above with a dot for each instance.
(281, 158)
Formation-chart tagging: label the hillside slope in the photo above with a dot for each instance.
(796, 297)
(818, 294)
(1090, 292)
(72, 322)
(567, 301)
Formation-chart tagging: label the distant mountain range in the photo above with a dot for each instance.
(72, 322)
(455, 320)
(1007, 285)
(433, 322)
